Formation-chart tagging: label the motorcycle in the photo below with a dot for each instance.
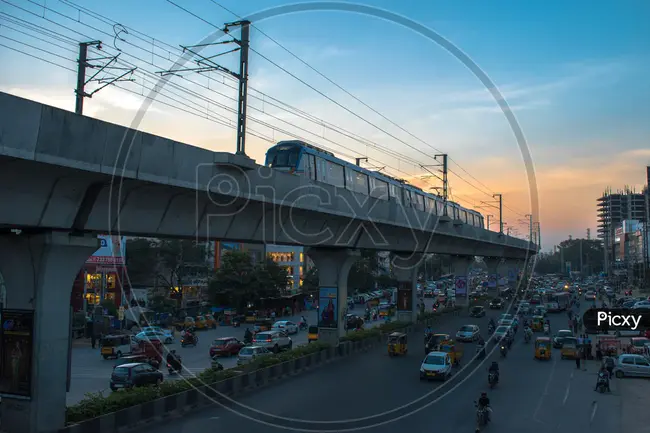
(302, 326)
(602, 384)
(504, 351)
(481, 416)
(492, 379)
(216, 365)
(527, 337)
(480, 350)
(173, 369)
(546, 330)
(490, 329)
(189, 341)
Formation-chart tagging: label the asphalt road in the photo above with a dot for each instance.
(91, 373)
(374, 391)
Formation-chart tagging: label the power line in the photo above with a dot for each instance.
(38, 58)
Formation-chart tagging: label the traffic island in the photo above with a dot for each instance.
(133, 409)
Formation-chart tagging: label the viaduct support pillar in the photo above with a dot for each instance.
(405, 269)
(38, 271)
(333, 269)
(493, 271)
(461, 266)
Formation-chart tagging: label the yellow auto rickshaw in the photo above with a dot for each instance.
(211, 321)
(569, 349)
(397, 344)
(543, 348)
(312, 334)
(454, 350)
(537, 324)
(432, 342)
(201, 323)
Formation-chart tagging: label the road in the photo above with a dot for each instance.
(91, 373)
(385, 394)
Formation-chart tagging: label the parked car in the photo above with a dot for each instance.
(249, 354)
(225, 346)
(273, 340)
(134, 375)
(286, 326)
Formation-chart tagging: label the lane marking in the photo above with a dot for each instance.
(593, 412)
(545, 394)
(568, 389)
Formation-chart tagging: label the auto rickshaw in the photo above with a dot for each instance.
(386, 310)
(543, 348)
(312, 334)
(251, 316)
(397, 344)
(454, 350)
(211, 321)
(609, 346)
(432, 342)
(537, 324)
(200, 322)
(569, 350)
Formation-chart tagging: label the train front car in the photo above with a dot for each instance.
(285, 156)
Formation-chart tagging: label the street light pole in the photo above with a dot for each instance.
(500, 196)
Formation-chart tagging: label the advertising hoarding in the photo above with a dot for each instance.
(112, 251)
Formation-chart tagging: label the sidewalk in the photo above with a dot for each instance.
(82, 342)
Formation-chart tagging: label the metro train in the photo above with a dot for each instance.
(303, 159)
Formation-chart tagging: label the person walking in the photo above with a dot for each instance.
(578, 357)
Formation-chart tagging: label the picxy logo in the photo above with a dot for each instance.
(619, 320)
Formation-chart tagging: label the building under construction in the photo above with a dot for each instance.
(623, 226)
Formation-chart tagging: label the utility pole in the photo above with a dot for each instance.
(442, 165)
(500, 196)
(207, 64)
(357, 161)
(588, 234)
(83, 63)
(581, 270)
(530, 227)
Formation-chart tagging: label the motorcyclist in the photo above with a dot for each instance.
(248, 336)
(484, 403)
(603, 375)
(528, 332)
(303, 322)
(189, 336)
(174, 360)
(492, 323)
(494, 368)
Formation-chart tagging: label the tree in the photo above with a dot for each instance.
(362, 274)
(142, 260)
(310, 282)
(570, 251)
(272, 276)
(180, 261)
(235, 280)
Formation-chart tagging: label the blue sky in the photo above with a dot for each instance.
(575, 74)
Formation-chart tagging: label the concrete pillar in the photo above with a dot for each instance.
(39, 270)
(461, 266)
(492, 264)
(333, 269)
(405, 269)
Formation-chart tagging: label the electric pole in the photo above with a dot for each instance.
(442, 165)
(588, 234)
(530, 227)
(500, 196)
(357, 161)
(83, 63)
(207, 64)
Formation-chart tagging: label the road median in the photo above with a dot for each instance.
(122, 411)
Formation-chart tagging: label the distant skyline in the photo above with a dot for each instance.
(574, 75)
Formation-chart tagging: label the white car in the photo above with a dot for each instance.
(501, 332)
(591, 296)
(436, 365)
(468, 333)
(161, 336)
(273, 341)
(285, 326)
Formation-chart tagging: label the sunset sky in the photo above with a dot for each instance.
(573, 73)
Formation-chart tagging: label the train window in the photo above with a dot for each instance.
(481, 222)
(310, 166)
(395, 193)
(378, 189)
(450, 210)
(463, 216)
(470, 219)
(286, 156)
(361, 183)
(440, 207)
(407, 197)
(335, 174)
(431, 206)
(349, 179)
(321, 170)
(418, 202)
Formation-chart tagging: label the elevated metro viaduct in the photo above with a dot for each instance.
(65, 178)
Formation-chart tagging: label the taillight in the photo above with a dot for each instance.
(269, 340)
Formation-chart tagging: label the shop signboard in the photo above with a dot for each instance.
(111, 251)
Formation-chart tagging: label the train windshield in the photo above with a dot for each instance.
(283, 156)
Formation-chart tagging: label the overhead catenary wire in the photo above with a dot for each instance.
(265, 98)
(338, 86)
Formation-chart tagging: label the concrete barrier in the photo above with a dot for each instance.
(179, 404)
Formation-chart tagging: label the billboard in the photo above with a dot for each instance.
(328, 307)
(112, 251)
(405, 296)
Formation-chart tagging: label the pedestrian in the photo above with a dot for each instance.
(578, 360)
(584, 359)
(93, 340)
